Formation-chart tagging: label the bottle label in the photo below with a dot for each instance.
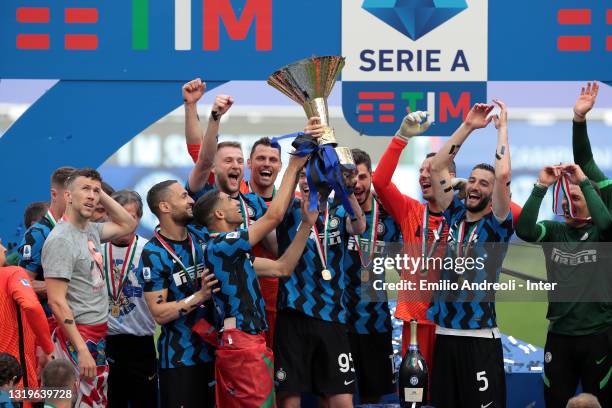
(413, 394)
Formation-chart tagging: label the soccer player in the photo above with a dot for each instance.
(368, 317)
(311, 345)
(423, 228)
(72, 262)
(468, 366)
(176, 289)
(579, 310)
(130, 348)
(34, 212)
(30, 249)
(265, 163)
(229, 255)
(100, 214)
(59, 375)
(24, 325)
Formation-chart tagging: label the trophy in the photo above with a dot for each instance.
(309, 82)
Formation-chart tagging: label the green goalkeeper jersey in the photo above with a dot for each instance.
(577, 261)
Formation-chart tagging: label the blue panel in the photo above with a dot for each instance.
(299, 29)
(76, 124)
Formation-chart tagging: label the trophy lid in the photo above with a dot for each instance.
(309, 78)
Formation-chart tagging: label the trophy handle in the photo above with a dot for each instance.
(318, 107)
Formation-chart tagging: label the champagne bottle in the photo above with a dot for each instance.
(413, 374)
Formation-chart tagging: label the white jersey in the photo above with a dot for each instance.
(129, 313)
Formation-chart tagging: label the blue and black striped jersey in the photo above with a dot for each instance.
(306, 290)
(228, 256)
(367, 309)
(178, 345)
(471, 309)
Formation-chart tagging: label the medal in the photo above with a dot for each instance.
(322, 246)
(115, 310)
(116, 278)
(463, 249)
(365, 275)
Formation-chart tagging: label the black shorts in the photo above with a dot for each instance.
(570, 359)
(311, 355)
(468, 372)
(132, 377)
(373, 358)
(187, 387)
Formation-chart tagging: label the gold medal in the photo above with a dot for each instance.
(326, 274)
(365, 275)
(115, 310)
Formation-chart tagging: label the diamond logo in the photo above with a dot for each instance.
(414, 18)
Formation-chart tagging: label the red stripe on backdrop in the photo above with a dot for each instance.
(578, 16)
(365, 107)
(33, 15)
(574, 43)
(81, 15)
(81, 41)
(365, 118)
(386, 106)
(386, 118)
(376, 95)
(33, 41)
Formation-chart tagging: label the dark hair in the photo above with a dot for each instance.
(484, 166)
(125, 197)
(60, 175)
(59, 373)
(107, 188)
(9, 369)
(85, 172)
(264, 141)
(361, 157)
(229, 143)
(452, 167)
(204, 208)
(157, 194)
(34, 212)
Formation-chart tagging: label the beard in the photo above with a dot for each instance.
(482, 204)
(183, 218)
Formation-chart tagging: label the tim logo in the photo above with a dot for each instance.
(579, 18)
(254, 16)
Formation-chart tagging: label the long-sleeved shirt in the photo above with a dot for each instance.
(576, 262)
(583, 156)
(409, 214)
(16, 290)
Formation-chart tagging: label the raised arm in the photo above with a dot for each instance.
(192, 93)
(285, 265)
(275, 213)
(440, 176)
(392, 199)
(503, 172)
(121, 222)
(528, 228)
(583, 155)
(206, 156)
(599, 212)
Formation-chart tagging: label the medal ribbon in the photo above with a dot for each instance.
(322, 247)
(461, 236)
(49, 216)
(373, 236)
(245, 211)
(562, 184)
(252, 192)
(109, 270)
(425, 254)
(162, 241)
